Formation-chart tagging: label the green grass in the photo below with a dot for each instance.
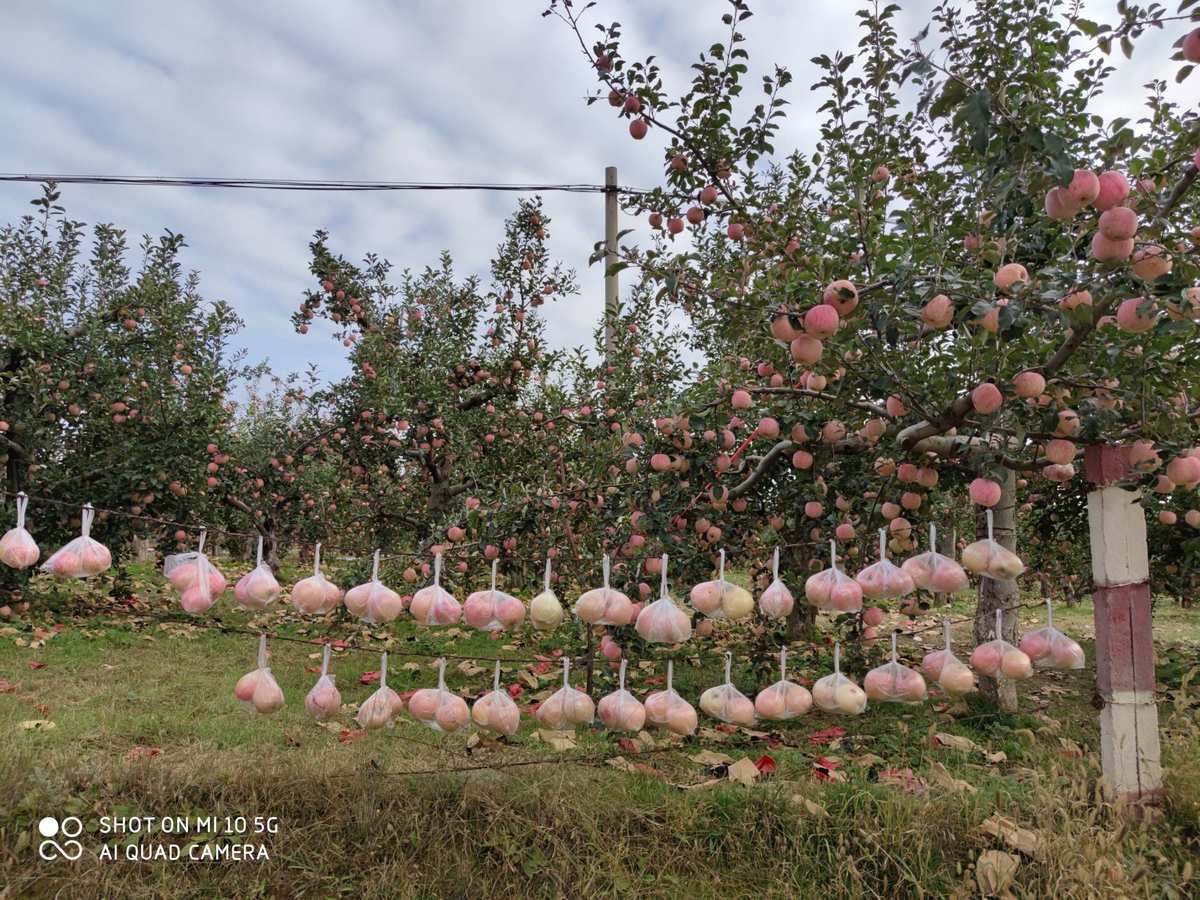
(351, 823)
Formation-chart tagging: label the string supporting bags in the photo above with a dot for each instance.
(493, 610)
(495, 711)
(566, 707)
(837, 693)
(999, 656)
(257, 588)
(620, 710)
(933, 571)
(257, 689)
(373, 601)
(316, 594)
(381, 708)
(784, 699)
(433, 604)
(1050, 648)
(324, 700)
(668, 710)
(895, 683)
(18, 550)
(198, 581)
(726, 702)
(721, 600)
(604, 605)
(884, 580)
(545, 612)
(81, 557)
(776, 602)
(833, 589)
(663, 622)
(987, 557)
(437, 707)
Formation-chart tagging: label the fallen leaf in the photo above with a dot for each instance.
(369, 678)
(339, 644)
(7, 687)
(709, 758)
(473, 740)
(941, 776)
(995, 758)
(528, 679)
(904, 779)
(470, 667)
(711, 782)
(411, 667)
(560, 741)
(827, 736)
(826, 769)
(744, 772)
(954, 742)
(766, 765)
(515, 690)
(711, 734)
(36, 725)
(636, 768)
(994, 872)
(347, 735)
(1018, 838)
(140, 752)
(813, 809)
(313, 669)
(35, 664)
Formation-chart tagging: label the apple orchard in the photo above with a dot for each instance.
(972, 279)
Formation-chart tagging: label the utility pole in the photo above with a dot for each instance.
(611, 200)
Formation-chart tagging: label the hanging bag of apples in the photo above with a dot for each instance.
(668, 710)
(884, 580)
(952, 674)
(933, 571)
(784, 699)
(374, 602)
(894, 682)
(1048, 647)
(18, 550)
(721, 600)
(495, 710)
(604, 605)
(987, 557)
(257, 689)
(620, 710)
(999, 656)
(316, 594)
(493, 610)
(83, 556)
(726, 702)
(663, 622)
(566, 707)
(837, 693)
(198, 581)
(776, 602)
(381, 708)
(437, 707)
(433, 604)
(324, 700)
(258, 588)
(833, 589)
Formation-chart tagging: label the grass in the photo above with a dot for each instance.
(350, 821)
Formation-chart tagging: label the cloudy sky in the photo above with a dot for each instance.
(405, 90)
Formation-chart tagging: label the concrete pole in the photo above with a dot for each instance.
(1129, 743)
(611, 208)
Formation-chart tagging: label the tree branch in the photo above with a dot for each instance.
(764, 465)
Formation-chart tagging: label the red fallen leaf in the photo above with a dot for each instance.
(140, 752)
(40, 634)
(312, 668)
(905, 778)
(35, 664)
(540, 668)
(7, 687)
(369, 678)
(556, 652)
(727, 728)
(766, 765)
(42, 709)
(339, 644)
(827, 736)
(347, 735)
(826, 769)
(58, 626)
(515, 690)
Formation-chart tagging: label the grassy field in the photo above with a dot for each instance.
(110, 711)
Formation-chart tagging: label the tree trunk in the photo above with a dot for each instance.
(803, 618)
(996, 594)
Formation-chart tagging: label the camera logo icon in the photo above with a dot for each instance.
(70, 827)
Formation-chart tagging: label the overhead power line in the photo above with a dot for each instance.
(299, 184)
